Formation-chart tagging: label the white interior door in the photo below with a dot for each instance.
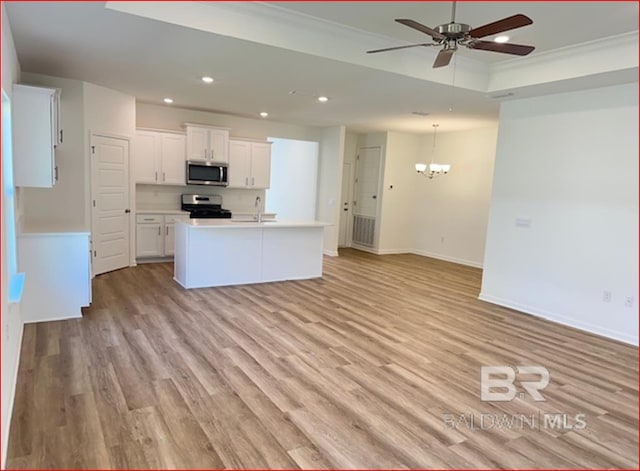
(367, 182)
(345, 213)
(110, 211)
(367, 185)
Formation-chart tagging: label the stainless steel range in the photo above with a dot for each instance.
(204, 207)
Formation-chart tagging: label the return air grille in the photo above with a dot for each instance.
(363, 230)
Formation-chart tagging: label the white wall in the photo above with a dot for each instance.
(294, 178)
(568, 163)
(65, 202)
(11, 318)
(451, 212)
(169, 117)
(398, 204)
(330, 184)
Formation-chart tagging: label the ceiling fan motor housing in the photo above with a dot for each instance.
(453, 30)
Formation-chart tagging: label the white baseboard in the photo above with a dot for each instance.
(364, 249)
(393, 251)
(422, 253)
(77, 315)
(12, 397)
(330, 253)
(560, 319)
(446, 258)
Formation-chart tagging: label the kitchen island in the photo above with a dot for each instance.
(221, 252)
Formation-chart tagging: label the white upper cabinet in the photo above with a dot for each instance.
(260, 165)
(159, 157)
(207, 143)
(249, 164)
(36, 133)
(172, 152)
(239, 163)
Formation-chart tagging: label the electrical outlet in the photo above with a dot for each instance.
(606, 296)
(628, 302)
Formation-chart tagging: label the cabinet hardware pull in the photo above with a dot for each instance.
(246, 181)
(148, 219)
(61, 135)
(156, 176)
(159, 233)
(167, 230)
(164, 177)
(127, 211)
(56, 172)
(253, 181)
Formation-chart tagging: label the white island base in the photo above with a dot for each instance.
(216, 252)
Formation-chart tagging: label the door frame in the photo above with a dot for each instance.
(132, 194)
(381, 163)
(349, 198)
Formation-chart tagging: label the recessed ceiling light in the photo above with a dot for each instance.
(501, 39)
(207, 79)
(264, 114)
(323, 99)
(168, 100)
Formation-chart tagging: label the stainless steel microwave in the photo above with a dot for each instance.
(203, 172)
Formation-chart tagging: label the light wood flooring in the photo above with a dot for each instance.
(354, 370)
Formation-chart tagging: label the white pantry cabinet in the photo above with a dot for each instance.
(159, 157)
(249, 164)
(155, 235)
(207, 143)
(36, 133)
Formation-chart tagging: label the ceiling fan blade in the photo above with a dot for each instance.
(506, 48)
(400, 47)
(505, 24)
(443, 58)
(422, 28)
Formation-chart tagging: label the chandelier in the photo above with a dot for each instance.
(435, 170)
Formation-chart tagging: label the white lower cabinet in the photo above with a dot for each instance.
(155, 235)
(57, 270)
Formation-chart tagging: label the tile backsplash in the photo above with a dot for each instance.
(166, 197)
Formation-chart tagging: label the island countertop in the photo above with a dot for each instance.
(222, 252)
(248, 224)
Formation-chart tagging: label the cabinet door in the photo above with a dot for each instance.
(219, 145)
(239, 164)
(146, 156)
(169, 239)
(197, 143)
(149, 240)
(173, 154)
(260, 165)
(34, 137)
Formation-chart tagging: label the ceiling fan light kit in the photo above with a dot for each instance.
(451, 35)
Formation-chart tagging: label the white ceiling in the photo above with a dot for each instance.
(152, 59)
(555, 24)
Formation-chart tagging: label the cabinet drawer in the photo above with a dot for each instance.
(149, 219)
(172, 219)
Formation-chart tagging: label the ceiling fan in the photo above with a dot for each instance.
(451, 35)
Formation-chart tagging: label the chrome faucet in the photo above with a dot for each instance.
(258, 204)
